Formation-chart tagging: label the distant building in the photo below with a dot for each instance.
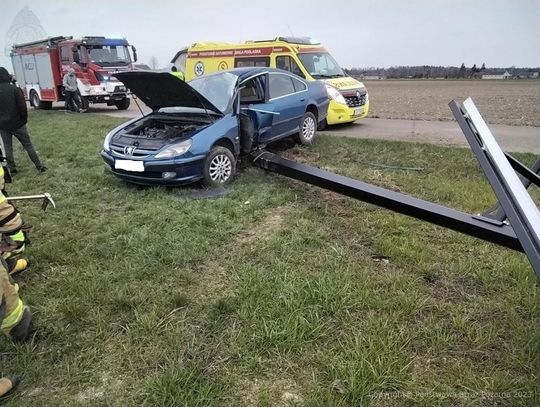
(371, 77)
(504, 75)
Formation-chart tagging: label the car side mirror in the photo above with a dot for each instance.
(134, 50)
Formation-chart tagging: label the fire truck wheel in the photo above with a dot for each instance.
(122, 104)
(34, 100)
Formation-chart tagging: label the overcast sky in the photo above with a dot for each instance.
(357, 33)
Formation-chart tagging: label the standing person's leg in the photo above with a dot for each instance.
(69, 101)
(22, 135)
(8, 145)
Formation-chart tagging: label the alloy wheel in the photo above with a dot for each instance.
(220, 168)
(308, 128)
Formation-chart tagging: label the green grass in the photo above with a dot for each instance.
(270, 295)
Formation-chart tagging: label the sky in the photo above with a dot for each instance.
(383, 33)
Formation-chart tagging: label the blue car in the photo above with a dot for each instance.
(197, 130)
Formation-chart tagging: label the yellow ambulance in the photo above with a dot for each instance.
(349, 99)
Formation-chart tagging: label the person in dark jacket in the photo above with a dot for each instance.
(13, 118)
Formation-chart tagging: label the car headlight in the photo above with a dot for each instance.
(175, 150)
(334, 94)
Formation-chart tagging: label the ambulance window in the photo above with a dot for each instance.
(288, 64)
(243, 62)
(280, 85)
(299, 85)
(65, 55)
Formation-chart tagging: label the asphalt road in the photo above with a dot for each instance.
(510, 138)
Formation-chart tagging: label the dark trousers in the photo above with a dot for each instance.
(72, 101)
(22, 135)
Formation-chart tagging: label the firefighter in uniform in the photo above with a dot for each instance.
(177, 73)
(15, 316)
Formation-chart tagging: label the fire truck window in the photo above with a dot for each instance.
(280, 85)
(65, 55)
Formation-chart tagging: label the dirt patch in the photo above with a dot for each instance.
(511, 102)
(282, 392)
(266, 228)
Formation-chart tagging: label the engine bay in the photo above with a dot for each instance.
(152, 132)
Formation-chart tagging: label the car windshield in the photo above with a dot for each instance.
(321, 65)
(108, 55)
(218, 89)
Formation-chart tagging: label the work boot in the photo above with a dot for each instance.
(42, 168)
(8, 383)
(13, 170)
(16, 265)
(21, 331)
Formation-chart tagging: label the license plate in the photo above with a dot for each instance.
(358, 112)
(129, 165)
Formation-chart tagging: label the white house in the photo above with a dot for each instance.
(504, 75)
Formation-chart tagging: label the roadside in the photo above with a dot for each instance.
(525, 139)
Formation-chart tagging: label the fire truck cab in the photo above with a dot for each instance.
(303, 56)
(39, 67)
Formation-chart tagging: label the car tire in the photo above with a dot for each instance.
(219, 167)
(122, 104)
(308, 129)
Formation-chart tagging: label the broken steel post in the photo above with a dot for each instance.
(477, 226)
(522, 234)
(517, 204)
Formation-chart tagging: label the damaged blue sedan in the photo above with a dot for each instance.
(197, 130)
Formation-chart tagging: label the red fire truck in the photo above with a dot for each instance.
(39, 67)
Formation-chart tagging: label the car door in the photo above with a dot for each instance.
(254, 103)
(288, 98)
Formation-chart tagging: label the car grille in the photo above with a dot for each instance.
(355, 101)
(138, 153)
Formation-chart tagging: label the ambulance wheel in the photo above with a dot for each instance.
(219, 167)
(122, 104)
(308, 129)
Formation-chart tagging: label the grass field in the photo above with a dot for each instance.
(513, 102)
(275, 294)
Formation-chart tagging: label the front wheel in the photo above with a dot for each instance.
(308, 129)
(122, 104)
(34, 100)
(219, 167)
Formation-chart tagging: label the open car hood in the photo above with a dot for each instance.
(161, 89)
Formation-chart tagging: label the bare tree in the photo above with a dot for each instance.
(154, 64)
